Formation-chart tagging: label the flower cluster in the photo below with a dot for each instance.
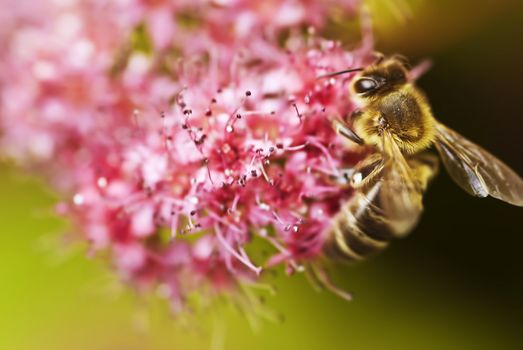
(178, 131)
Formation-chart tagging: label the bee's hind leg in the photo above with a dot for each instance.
(321, 280)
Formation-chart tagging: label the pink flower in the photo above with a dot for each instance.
(175, 143)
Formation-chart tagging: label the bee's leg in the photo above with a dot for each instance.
(363, 172)
(321, 280)
(367, 170)
(346, 132)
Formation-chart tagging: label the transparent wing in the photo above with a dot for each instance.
(388, 200)
(477, 171)
(401, 193)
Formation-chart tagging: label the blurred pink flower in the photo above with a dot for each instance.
(157, 129)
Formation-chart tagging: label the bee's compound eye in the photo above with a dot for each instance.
(365, 85)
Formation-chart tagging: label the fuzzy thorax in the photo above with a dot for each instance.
(404, 113)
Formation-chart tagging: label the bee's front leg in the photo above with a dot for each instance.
(342, 129)
(364, 172)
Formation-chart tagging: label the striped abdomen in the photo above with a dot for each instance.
(369, 221)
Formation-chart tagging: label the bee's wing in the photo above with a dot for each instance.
(477, 171)
(387, 202)
(400, 194)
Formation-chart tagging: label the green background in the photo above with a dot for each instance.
(455, 283)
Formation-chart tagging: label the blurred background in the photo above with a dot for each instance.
(455, 283)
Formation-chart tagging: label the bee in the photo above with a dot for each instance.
(396, 123)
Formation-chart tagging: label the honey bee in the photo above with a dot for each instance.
(396, 122)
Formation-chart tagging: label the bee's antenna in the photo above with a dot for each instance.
(340, 73)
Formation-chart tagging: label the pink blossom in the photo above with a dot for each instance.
(175, 143)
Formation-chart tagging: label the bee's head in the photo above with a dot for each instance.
(381, 78)
(391, 104)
